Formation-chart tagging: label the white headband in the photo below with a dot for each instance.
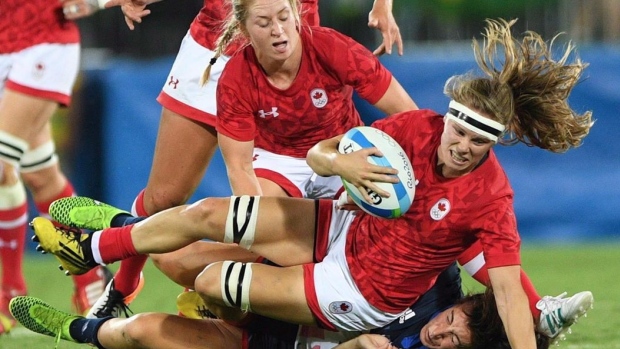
(473, 121)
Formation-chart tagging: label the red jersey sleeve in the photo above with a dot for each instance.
(499, 236)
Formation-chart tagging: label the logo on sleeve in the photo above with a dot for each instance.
(341, 307)
(440, 209)
(319, 97)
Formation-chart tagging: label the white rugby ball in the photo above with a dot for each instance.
(401, 193)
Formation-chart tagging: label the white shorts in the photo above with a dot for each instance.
(294, 176)
(182, 93)
(46, 71)
(331, 293)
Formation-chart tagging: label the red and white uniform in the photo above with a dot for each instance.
(39, 49)
(27, 23)
(182, 92)
(318, 104)
(393, 262)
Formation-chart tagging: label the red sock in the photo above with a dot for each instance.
(13, 223)
(128, 275)
(477, 268)
(137, 209)
(115, 244)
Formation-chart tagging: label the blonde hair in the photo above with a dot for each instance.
(232, 29)
(527, 92)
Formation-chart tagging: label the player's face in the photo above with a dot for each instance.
(448, 330)
(461, 149)
(271, 28)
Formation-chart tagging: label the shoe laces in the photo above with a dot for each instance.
(51, 321)
(550, 306)
(114, 304)
(72, 235)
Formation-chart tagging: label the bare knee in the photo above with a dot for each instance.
(207, 283)
(162, 198)
(210, 212)
(208, 286)
(139, 329)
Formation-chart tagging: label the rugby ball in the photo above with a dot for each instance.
(401, 193)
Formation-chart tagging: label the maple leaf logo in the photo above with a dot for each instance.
(441, 207)
(319, 97)
(344, 306)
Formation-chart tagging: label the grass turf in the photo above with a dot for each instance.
(553, 269)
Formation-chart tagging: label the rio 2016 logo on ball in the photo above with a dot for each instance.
(401, 193)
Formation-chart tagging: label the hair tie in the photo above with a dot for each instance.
(213, 60)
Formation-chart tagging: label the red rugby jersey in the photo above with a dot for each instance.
(318, 105)
(395, 261)
(27, 23)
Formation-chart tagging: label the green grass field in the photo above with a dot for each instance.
(553, 270)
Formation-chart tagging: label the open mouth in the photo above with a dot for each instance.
(456, 158)
(280, 46)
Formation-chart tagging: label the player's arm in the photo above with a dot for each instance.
(513, 307)
(325, 160)
(382, 18)
(238, 158)
(395, 99)
(367, 341)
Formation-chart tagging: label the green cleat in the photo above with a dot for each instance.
(40, 317)
(64, 244)
(84, 213)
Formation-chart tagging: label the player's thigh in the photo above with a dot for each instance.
(25, 116)
(184, 265)
(276, 292)
(183, 150)
(281, 229)
(270, 188)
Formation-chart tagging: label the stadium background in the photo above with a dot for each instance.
(108, 137)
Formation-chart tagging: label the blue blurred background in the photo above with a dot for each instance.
(108, 136)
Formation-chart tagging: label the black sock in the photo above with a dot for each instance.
(85, 330)
(123, 219)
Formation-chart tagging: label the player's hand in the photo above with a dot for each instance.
(355, 169)
(134, 10)
(381, 18)
(76, 9)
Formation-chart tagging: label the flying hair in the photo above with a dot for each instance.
(524, 88)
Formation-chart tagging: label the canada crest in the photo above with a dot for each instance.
(440, 209)
(340, 307)
(319, 97)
